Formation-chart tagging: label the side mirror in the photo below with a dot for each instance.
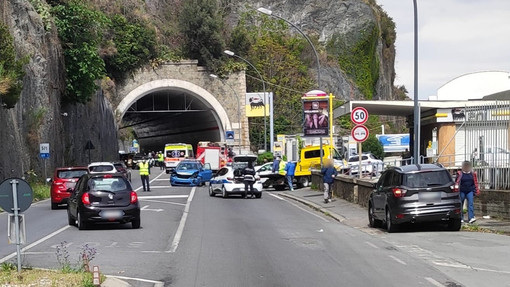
(207, 166)
(49, 180)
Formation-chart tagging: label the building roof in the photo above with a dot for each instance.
(405, 108)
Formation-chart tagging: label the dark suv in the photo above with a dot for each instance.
(414, 193)
(103, 198)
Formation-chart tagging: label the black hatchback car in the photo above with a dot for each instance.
(412, 194)
(103, 198)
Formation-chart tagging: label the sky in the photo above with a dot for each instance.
(455, 37)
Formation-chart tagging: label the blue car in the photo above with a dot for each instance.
(191, 173)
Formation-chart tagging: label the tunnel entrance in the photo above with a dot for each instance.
(172, 111)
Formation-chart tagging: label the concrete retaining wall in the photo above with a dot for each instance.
(495, 203)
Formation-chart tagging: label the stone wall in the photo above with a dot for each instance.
(495, 203)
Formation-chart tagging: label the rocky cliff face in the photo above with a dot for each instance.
(324, 19)
(39, 116)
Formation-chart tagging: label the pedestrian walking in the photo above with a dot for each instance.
(467, 182)
(328, 178)
(144, 174)
(249, 179)
(290, 169)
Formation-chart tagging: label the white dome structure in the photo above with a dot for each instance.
(474, 86)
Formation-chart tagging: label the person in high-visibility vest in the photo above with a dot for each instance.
(161, 160)
(144, 174)
(281, 167)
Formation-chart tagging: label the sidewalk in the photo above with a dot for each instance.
(356, 216)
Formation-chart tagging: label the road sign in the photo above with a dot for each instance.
(359, 116)
(44, 150)
(229, 135)
(359, 133)
(23, 191)
(89, 145)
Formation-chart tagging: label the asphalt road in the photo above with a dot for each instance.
(190, 239)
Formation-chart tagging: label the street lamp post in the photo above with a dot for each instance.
(238, 107)
(270, 13)
(232, 54)
(416, 146)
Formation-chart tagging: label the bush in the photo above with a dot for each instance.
(373, 145)
(265, 157)
(11, 70)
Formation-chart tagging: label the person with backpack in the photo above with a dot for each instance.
(328, 178)
(249, 179)
(467, 182)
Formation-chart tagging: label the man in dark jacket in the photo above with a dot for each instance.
(248, 179)
(328, 178)
(276, 164)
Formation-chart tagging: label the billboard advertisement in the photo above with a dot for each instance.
(316, 117)
(394, 142)
(255, 104)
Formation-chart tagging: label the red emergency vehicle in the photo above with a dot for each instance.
(214, 153)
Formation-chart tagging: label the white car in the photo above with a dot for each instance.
(370, 164)
(229, 180)
(264, 169)
(102, 167)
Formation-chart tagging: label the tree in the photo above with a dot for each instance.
(201, 25)
(373, 145)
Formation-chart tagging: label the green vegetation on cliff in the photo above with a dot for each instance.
(11, 70)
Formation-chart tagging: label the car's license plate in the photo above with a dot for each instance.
(111, 214)
(430, 197)
(70, 185)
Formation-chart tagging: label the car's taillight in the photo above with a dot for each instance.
(134, 197)
(454, 187)
(398, 192)
(58, 183)
(85, 199)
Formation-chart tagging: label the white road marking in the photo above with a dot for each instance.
(160, 187)
(165, 202)
(24, 249)
(396, 259)
(151, 181)
(142, 197)
(434, 282)
(295, 205)
(156, 283)
(180, 229)
(162, 179)
(371, 244)
(146, 207)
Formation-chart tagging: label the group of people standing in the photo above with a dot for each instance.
(288, 169)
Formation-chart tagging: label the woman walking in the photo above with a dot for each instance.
(467, 181)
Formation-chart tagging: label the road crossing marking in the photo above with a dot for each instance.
(23, 250)
(142, 197)
(434, 282)
(182, 223)
(146, 207)
(151, 181)
(398, 260)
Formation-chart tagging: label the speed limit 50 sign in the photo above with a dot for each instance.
(359, 115)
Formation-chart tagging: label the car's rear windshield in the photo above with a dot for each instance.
(427, 179)
(110, 184)
(101, 168)
(75, 173)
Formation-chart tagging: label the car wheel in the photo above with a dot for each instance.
(70, 220)
(167, 171)
(211, 191)
(390, 227)
(374, 223)
(304, 182)
(224, 193)
(454, 224)
(54, 206)
(244, 194)
(80, 222)
(258, 195)
(135, 224)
